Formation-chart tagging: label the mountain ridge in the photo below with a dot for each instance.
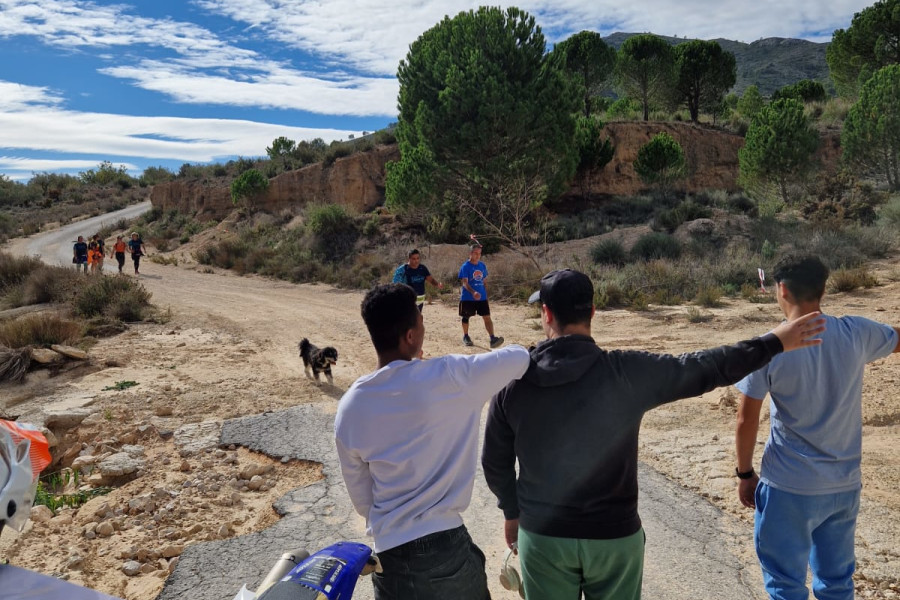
(768, 63)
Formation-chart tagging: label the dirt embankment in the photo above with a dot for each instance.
(357, 181)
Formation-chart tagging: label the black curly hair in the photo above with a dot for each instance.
(389, 311)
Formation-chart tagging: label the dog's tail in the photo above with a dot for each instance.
(303, 346)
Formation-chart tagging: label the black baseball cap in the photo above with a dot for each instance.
(568, 293)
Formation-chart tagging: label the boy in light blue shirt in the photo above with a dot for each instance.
(807, 494)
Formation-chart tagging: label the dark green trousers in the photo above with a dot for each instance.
(556, 568)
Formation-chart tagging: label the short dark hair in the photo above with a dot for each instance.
(803, 275)
(389, 311)
(411, 252)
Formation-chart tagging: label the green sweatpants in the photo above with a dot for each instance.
(556, 568)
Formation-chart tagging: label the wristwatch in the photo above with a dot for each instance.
(744, 475)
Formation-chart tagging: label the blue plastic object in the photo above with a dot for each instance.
(329, 574)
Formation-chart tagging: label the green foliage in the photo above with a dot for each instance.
(653, 246)
(328, 219)
(307, 152)
(609, 252)
(587, 59)
(871, 134)
(488, 131)
(281, 151)
(645, 70)
(660, 162)
(106, 174)
(593, 152)
(751, 102)
(805, 90)
(120, 385)
(154, 175)
(51, 491)
(779, 146)
(335, 151)
(117, 296)
(871, 42)
(624, 109)
(704, 73)
(247, 185)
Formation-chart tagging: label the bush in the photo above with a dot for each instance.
(709, 296)
(247, 185)
(117, 296)
(14, 269)
(609, 252)
(39, 330)
(624, 109)
(336, 151)
(49, 284)
(653, 246)
(847, 280)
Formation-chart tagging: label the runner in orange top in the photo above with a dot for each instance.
(118, 251)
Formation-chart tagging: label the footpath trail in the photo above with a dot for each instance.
(694, 550)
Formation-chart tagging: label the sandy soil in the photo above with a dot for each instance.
(229, 348)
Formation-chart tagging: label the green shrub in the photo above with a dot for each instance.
(609, 252)
(15, 269)
(248, 185)
(889, 213)
(118, 296)
(653, 246)
(624, 109)
(847, 280)
(39, 330)
(50, 284)
(328, 219)
(709, 296)
(336, 151)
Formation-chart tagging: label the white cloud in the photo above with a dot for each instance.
(172, 138)
(374, 36)
(281, 88)
(15, 96)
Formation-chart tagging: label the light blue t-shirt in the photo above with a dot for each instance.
(475, 274)
(815, 439)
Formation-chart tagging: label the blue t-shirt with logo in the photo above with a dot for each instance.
(815, 437)
(414, 278)
(475, 274)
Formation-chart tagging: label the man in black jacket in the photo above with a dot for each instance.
(572, 422)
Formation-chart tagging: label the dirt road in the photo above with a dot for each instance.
(229, 350)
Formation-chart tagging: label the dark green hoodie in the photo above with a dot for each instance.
(573, 420)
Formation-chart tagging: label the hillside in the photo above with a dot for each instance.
(769, 63)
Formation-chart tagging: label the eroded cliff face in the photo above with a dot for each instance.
(357, 181)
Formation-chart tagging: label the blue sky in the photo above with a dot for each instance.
(163, 82)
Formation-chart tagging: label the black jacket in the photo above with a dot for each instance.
(573, 420)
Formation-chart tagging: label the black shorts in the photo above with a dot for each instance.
(470, 308)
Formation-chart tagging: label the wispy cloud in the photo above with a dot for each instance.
(172, 138)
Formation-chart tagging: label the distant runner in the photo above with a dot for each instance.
(136, 247)
(414, 274)
(80, 254)
(119, 251)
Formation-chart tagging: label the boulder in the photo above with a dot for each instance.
(45, 356)
(119, 465)
(70, 351)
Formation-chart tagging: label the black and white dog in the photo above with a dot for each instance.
(319, 360)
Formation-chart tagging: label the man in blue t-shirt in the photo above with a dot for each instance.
(414, 274)
(473, 297)
(807, 494)
(80, 254)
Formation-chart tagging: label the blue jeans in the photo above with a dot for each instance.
(792, 531)
(446, 565)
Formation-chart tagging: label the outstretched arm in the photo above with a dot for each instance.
(745, 442)
(434, 281)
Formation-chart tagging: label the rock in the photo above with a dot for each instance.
(163, 410)
(166, 434)
(105, 529)
(84, 461)
(52, 440)
(133, 451)
(147, 568)
(45, 356)
(172, 550)
(62, 520)
(173, 563)
(92, 510)
(75, 563)
(41, 514)
(128, 438)
(185, 466)
(254, 469)
(145, 431)
(256, 482)
(95, 418)
(119, 465)
(141, 504)
(70, 351)
(196, 437)
(65, 419)
(224, 531)
(131, 568)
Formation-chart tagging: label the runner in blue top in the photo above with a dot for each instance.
(473, 297)
(414, 274)
(807, 494)
(80, 254)
(136, 247)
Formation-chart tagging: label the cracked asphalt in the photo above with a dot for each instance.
(689, 542)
